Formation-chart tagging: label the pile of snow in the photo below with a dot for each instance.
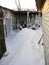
(23, 48)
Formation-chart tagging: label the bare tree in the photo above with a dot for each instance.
(18, 5)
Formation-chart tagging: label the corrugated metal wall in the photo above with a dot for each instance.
(45, 23)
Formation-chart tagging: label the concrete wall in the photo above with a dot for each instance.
(45, 24)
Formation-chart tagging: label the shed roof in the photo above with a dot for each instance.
(21, 12)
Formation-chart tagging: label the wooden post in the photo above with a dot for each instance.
(27, 19)
(2, 38)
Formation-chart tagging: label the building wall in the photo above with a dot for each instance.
(45, 24)
(22, 19)
(2, 38)
(9, 21)
(28, 19)
(13, 21)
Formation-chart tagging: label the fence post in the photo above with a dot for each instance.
(28, 19)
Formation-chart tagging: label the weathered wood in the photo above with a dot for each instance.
(28, 19)
(2, 38)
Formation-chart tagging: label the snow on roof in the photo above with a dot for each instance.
(6, 8)
(31, 10)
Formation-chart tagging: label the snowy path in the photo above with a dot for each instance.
(24, 49)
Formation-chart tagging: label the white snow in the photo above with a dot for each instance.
(23, 48)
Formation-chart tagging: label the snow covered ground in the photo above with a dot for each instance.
(23, 48)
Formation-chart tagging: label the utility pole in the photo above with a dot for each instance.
(2, 38)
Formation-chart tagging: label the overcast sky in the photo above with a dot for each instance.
(29, 4)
